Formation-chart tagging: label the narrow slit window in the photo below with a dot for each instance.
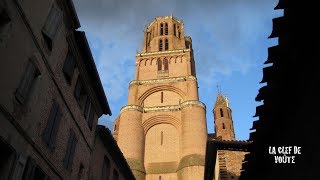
(160, 45)
(166, 28)
(161, 97)
(221, 112)
(161, 29)
(166, 45)
(161, 137)
(174, 30)
(223, 126)
(160, 178)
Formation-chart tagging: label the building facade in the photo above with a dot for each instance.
(162, 131)
(51, 96)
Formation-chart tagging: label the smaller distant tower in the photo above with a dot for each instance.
(223, 119)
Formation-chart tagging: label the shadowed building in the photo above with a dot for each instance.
(289, 113)
(51, 96)
(162, 131)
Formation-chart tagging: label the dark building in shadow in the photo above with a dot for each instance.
(51, 95)
(288, 117)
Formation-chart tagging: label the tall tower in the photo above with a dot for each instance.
(162, 131)
(223, 119)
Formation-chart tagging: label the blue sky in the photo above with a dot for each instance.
(230, 43)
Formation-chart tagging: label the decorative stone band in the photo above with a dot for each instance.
(131, 108)
(136, 165)
(162, 52)
(191, 160)
(163, 108)
(164, 80)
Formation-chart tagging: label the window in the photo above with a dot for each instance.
(68, 158)
(4, 17)
(148, 38)
(221, 112)
(80, 93)
(174, 30)
(50, 133)
(68, 67)
(161, 29)
(159, 63)
(160, 45)
(161, 97)
(223, 126)
(115, 175)
(105, 169)
(89, 113)
(166, 45)
(80, 173)
(33, 171)
(29, 76)
(166, 28)
(161, 137)
(165, 64)
(51, 25)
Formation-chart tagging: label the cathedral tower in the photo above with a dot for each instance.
(223, 119)
(162, 131)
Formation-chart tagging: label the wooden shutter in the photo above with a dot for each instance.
(26, 82)
(50, 133)
(68, 67)
(52, 22)
(166, 45)
(87, 108)
(91, 117)
(78, 88)
(19, 168)
(68, 159)
(29, 170)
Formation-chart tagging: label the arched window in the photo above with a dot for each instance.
(174, 30)
(165, 64)
(166, 45)
(166, 28)
(161, 29)
(221, 112)
(223, 126)
(159, 62)
(160, 45)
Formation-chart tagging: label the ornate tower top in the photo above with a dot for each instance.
(221, 101)
(165, 33)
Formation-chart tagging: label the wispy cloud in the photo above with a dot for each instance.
(228, 36)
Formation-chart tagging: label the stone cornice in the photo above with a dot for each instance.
(162, 52)
(164, 80)
(163, 108)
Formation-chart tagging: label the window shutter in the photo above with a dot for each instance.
(67, 162)
(55, 128)
(29, 170)
(165, 62)
(51, 123)
(20, 166)
(91, 117)
(73, 148)
(159, 62)
(87, 108)
(52, 22)
(78, 88)
(26, 82)
(68, 67)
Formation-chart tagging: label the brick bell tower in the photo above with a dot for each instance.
(162, 132)
(223, 119)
